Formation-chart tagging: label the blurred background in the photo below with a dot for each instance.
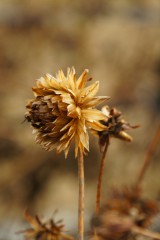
(119, 42)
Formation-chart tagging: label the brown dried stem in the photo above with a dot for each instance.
(99, 184)
(151, 149)
(81, 196)
(145, 232)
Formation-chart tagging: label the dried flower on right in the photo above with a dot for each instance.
(125, 216)
(116, 126)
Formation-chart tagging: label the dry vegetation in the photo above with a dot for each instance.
(119, 42)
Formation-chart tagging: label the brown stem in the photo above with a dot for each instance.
(145, 232)
(81, 196)
(148, 158)
(99, 184)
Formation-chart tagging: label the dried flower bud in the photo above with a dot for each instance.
(116, 126)
(62, 110)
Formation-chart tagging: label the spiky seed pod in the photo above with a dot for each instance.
(63, 109)
(116, 126)
(44, 231)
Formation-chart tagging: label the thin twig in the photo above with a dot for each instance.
(81, 196)
(151, 149)
(99, 184)
(145, 232)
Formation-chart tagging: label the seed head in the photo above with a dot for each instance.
(124, 213)
(116, 126)
(44, 231)
(63, 109)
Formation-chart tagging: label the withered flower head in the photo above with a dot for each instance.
(125, 215)
(62, 110)
(116, 126)
(44, 231)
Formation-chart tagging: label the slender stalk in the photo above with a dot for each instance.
(151, 149)
(81, 196)
(145, 232)
(99, 184)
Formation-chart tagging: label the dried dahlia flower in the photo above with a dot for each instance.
(62, 110)
(116, 126)
(44, 231)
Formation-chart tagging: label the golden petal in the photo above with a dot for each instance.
(92, 115)
(66, 97)
(54, 135)
(106, 110)
(81, 124)
(67, 137)
(60, 92)
(44, 81)
(64, 136)
(73, 111)
(54, 83)
(64, 145)
(81, 82)
(96, 126)
(91, 90)
(85, 140)
(55, 98)
(124, 136)
(91, 102)
(72, 129)
(67, 125)
(71, 92)
(72, 79)
(60, 76)
(66, 152)
(50, 147)
(39, 84)
(68, 72)
(37, 91)
(83, 135)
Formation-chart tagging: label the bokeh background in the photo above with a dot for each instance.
(119, 42)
